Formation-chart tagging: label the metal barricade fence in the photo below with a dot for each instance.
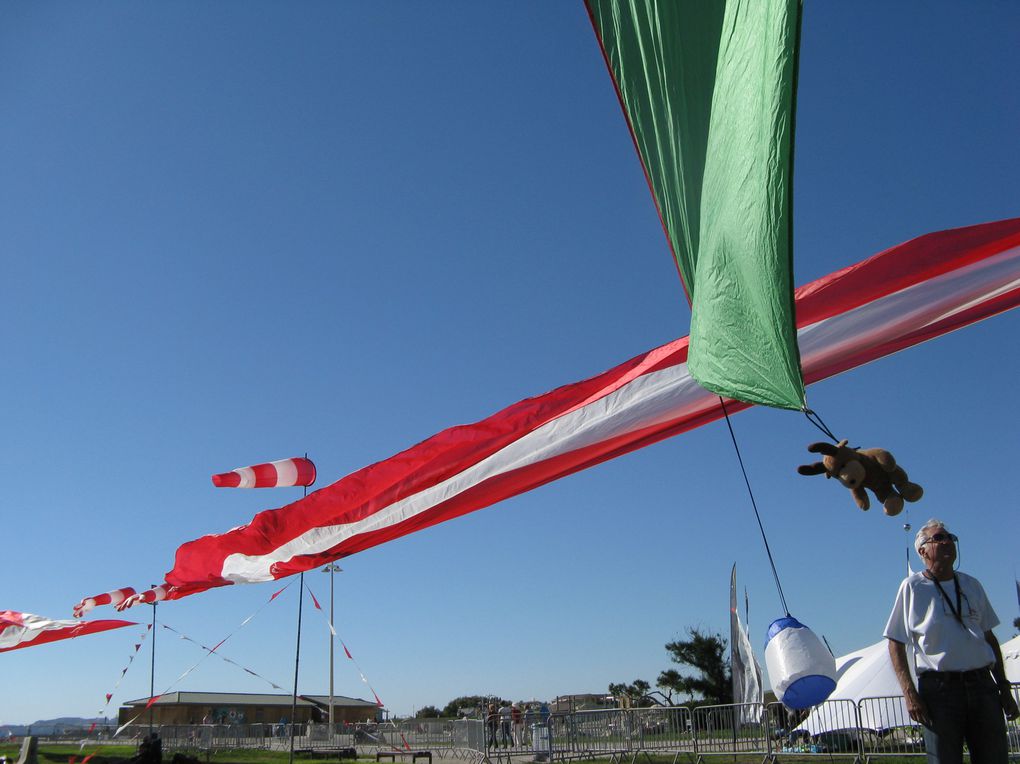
(730, 729)
(887, 729)
(872, 727)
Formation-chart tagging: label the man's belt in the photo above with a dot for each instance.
(978, 672)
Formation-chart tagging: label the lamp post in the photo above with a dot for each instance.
(331, 569)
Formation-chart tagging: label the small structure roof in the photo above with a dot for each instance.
(249, 699)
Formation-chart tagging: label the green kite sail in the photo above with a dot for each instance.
(708, 88)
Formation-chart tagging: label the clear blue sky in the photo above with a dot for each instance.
(239, 232)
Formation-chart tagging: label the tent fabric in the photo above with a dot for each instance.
(1011, 659)
(868, 673)
(900, 297)
(708, 91)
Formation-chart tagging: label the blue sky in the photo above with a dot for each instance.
(239, 232)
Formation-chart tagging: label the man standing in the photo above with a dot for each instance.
(946, 619)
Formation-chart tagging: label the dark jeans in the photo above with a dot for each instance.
(964, 706)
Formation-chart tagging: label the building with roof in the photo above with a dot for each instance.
(246, 708)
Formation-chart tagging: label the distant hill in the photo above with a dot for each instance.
(64, 724)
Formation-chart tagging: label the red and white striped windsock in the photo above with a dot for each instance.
(114, 598)
(286, 472)
(155, 594)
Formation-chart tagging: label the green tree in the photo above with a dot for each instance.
(706, 654)
(472, 702)
(636, 692)
(428, 712)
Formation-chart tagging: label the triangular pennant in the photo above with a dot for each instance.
(314, 601)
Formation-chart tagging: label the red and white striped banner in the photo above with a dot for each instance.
(898, 298)
(114, 598)
(148, 597)
(18, 630)
(280, 474)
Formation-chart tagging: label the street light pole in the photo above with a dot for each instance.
(331, 569)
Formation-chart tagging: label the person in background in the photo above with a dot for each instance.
(962, 691)
(517, 717)
(506, 738)
(492, 724)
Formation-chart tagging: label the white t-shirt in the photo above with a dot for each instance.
(923, 619)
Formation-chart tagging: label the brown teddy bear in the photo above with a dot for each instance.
(871, 468)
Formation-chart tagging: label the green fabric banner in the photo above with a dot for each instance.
(708, 88)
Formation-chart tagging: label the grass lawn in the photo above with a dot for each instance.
(111, 753)
(53, 753)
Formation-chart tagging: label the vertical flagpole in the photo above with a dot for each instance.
(152, 668)
(332, 568)
(297, 655)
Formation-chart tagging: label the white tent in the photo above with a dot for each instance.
(866, 673)
(1011, 659)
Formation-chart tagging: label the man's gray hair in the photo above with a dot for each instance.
(922, 534)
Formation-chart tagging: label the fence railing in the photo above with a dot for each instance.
(871, 727)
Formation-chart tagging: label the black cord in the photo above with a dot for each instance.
(754, 504)
(816, 420)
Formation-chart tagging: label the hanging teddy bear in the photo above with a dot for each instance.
(858, 469)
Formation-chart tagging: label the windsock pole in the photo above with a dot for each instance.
(297, 656)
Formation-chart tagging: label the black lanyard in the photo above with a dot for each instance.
(958, 610)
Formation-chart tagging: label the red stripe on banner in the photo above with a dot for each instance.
(226, 480)
(905, 295)
(305, 471)
(265, 475)
(346, 651)
(152, 700)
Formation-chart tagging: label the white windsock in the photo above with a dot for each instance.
(801, 668)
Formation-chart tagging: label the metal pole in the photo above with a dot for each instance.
(297, 653)
(332, 639)
(297, 663)
(152, 668)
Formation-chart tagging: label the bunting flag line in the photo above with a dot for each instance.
(115, 597)
(222, 657)
(347, 652)
(280, 474)
(131, 659)
(209, 652)
(906, 295)
(20, 630)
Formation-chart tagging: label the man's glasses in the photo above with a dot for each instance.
(939, 538)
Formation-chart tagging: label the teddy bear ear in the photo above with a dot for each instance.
(811, 469)
(823, 448)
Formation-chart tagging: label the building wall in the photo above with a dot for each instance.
(239, 713)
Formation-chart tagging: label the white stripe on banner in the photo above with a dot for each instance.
(286, 472)
(247, 477)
